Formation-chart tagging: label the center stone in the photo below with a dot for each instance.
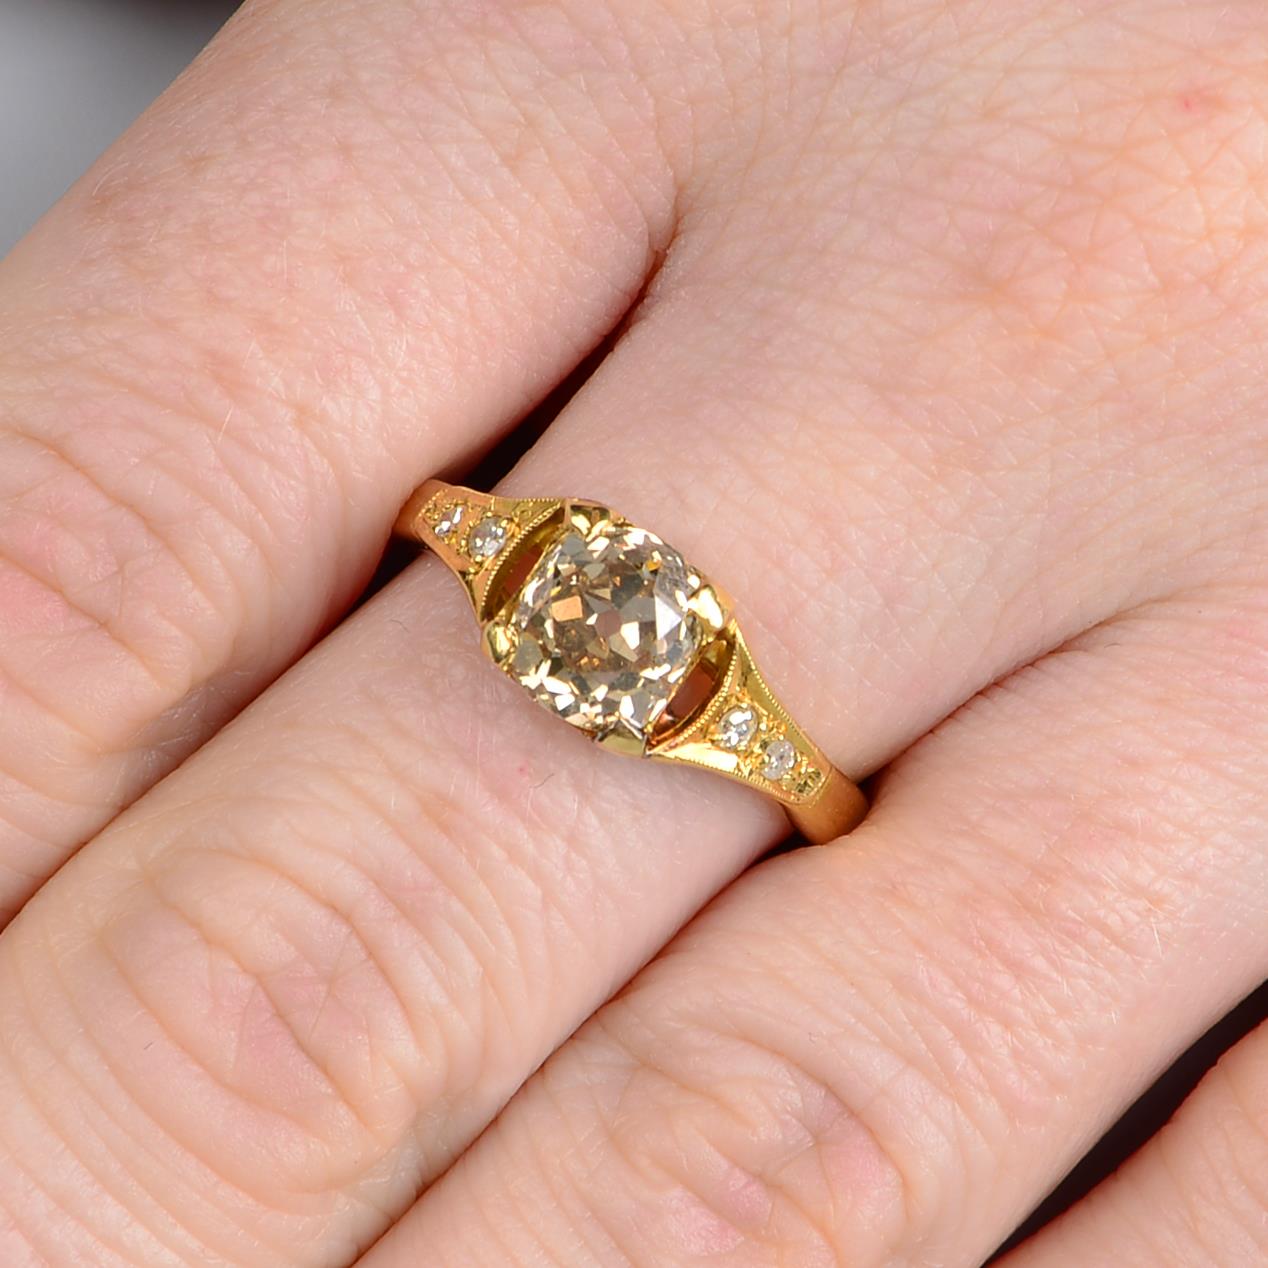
(604, 634)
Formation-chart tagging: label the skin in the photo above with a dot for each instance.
(939, 346)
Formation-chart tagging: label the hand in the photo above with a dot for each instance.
(945, 358)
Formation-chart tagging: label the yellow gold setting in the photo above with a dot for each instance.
(610, 628)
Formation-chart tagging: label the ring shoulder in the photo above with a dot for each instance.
(744, 732)
(476, 535)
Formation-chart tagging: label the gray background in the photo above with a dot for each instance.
(73, 75)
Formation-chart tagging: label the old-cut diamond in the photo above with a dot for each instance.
(602, 629)
(450, 521)
(487, 538)
(778, 759)
(736, 727)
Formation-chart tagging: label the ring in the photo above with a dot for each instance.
(609, 628)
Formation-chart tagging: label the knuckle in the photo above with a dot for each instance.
(779, 1109)
(140, 549)
(308, 988)
(113, 557)
(305, 953)
(253, 1030)
(285, 1016)
(747, 1144)
(76, 564)
(241, 1042)
(83, 1080)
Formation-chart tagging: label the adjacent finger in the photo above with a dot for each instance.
(351, 245)
(1195, 1196)
(886, 1053)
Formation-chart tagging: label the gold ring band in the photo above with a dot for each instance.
(611, 629)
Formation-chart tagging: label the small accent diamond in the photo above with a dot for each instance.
(737, 727)
(487, 538)
(449, 521)
(778, 759)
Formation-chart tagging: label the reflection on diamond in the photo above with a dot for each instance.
(449, 522)
(488, 537)
(603, 632)
(778, 759)
(737, 727)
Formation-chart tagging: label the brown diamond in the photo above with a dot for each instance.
(602, 628)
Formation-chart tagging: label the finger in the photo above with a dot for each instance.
(352, 244)
(353, 925)
(1195, 1196)
(887, 1053)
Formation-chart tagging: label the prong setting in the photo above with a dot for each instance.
(711, 606)
(585, 517)
(499, 641)
(603, 628)
(621, 740)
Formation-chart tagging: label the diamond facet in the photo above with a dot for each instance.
(487, 538)
(736, 727)
(449, 521)
(778, 759)
(603, 632)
